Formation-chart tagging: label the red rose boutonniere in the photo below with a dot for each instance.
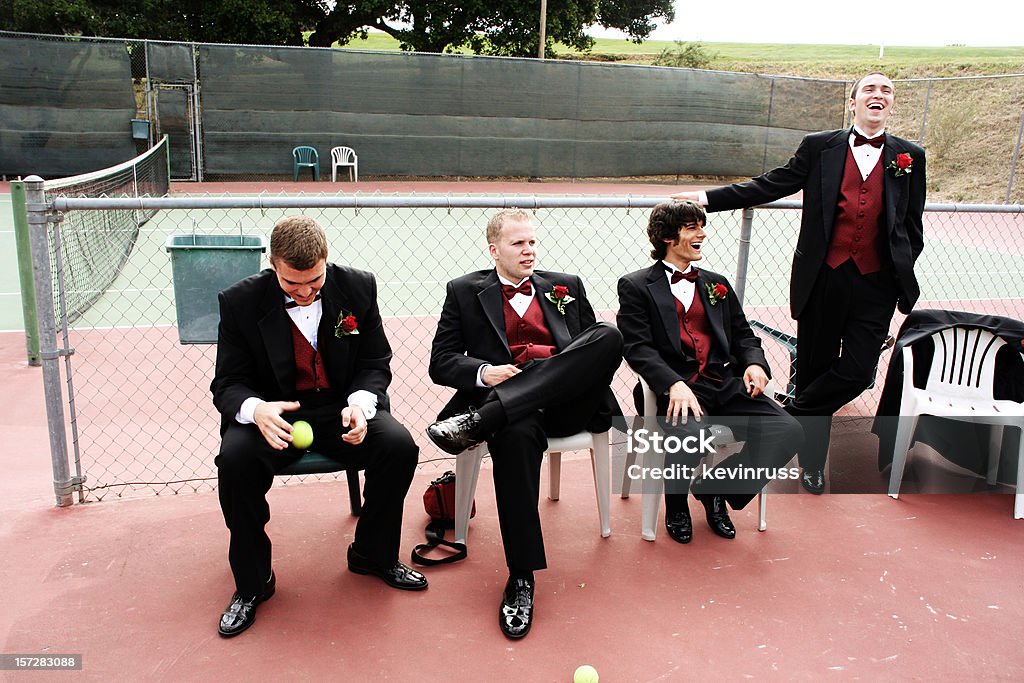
(903, 164)
(716, 292)
(347, 324)
(559, 296)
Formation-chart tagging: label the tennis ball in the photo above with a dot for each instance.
(302, 435)
(585, 674)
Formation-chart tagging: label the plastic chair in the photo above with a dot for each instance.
(306, 157)
(959, 387)
(653, 489)
(344, 157)
(467, 472)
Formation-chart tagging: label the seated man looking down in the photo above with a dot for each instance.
(304, 339)
(685, 333)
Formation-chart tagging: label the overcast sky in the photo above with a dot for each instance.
(895, 22)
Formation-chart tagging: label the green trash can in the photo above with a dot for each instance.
(203, 265)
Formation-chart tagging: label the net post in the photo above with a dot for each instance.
(28, 290)
(38, 229)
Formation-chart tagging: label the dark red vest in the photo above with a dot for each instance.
(528, 337)
(858, 227)
(695, 331)
(310, 373)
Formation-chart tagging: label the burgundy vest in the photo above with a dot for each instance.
(310, 373)
(528, 337)
(695, 331)
(857, 232)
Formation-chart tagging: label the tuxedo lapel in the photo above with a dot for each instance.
(555, 320)
(275, 330)
(714, 314)
(894, 187)
(494, 309)
(833, 161)
(661, 293)
(333, 303)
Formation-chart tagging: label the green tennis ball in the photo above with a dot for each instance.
(302, 435)
(585, 674)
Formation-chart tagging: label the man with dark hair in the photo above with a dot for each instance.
(860, 235)
(305, 338)
(685, 333)
(514, 341)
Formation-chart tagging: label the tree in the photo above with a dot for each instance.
(501, 27)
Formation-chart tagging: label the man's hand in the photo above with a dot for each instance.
(274, 428)
(353, 418)
(681, 400)
(687, 197)
(496, 374)
(755, 380)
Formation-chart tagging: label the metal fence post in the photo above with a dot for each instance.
(1013, 162)
(28, 291)
(743, 257)
(38, 224)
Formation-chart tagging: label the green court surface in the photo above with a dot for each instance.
(414, 252)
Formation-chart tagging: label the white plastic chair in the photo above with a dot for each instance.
(959, 387)
(653, 489)
(344, 157)
(467, 472)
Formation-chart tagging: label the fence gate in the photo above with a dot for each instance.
(177, 116)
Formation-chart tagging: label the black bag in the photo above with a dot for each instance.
(439, 502)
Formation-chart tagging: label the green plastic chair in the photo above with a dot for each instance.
(306, 157)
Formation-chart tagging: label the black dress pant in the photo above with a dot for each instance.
(771, 437)
(839, 340)
(246, 467)
(556, 396)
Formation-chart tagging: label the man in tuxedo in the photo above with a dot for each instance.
(528, 360)
(304, 340)
(685, 333)
(860, 235)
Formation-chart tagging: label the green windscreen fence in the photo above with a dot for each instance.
(65, 106)
(417, 114)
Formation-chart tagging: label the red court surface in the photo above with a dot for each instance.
(839, 587)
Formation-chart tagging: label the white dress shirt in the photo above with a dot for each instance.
(683, 290)
(866, 156)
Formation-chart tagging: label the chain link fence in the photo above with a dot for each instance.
(143, 421)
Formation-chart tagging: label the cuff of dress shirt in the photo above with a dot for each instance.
(480, 376)
(702, 198)
(247, 410)
(366, 400)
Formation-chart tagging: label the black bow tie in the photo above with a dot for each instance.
(295, 304)
(859, 140)
(511, 290)
(689, 276)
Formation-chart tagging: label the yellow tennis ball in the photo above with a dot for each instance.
(585, 674)
(302, 435)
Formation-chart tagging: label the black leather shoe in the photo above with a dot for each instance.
(241, 612)
(396, 575)
(813, 481)
(516, 613)
(718, 516)
(457, 433)
(679, 527)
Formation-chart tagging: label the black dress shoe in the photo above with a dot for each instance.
(396, 575)
(813, 481)
(516, 613)
(241, 612)
(718, 516)
(457, 433)
(679, 527)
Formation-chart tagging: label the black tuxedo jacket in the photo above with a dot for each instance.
(255, 355)
(649, 324)
(817, 169)
(471, 330)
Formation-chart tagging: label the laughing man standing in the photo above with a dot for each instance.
(860, 235)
